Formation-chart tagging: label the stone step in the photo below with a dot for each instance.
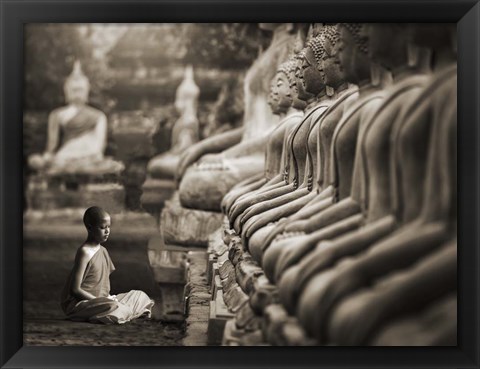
(219, 315)
(187, 227)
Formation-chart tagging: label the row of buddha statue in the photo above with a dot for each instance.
(340, 214)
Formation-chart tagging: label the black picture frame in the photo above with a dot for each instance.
(15, 13)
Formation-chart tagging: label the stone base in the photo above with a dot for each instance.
(187, 227)
(154, 194)
(197, 300)
(219, 315)
(110, 196)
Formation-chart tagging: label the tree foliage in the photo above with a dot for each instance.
(223, 45)
(50, 51)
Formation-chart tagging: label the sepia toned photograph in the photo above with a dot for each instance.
(240, 184)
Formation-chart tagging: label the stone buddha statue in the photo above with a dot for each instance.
(282, 103)
(372, 149)
(185, 131)
(77, 135)
(333, 209)
(204, 184)
(320, 140)
(425, 266)
(298, 152)
(418, 233)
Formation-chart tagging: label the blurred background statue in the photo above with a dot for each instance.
(185, 131)
(76, 134)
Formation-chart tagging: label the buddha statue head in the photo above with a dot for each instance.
(286, 85)
(310, 77)
(388, 44)
(187, 93)
(77, 86)
(272, 99)
(327, 56)
(353, 50)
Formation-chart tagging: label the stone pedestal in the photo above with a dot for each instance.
(187, 227)
(154, 194)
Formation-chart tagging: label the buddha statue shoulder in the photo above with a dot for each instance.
(77, 134)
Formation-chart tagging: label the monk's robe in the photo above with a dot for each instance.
(96, 280)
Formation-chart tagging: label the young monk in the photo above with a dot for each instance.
(86, 295)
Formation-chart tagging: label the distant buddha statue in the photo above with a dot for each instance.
(77, 134)
(185, 130)
(204, 184)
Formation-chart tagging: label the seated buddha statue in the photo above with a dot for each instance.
(430, 277)
(284, 104)
(340, 209)
(185, 131)
(320, 140)
(204, 184)
(302, 146)
(76, 136)
(374, 193)
(421, 161)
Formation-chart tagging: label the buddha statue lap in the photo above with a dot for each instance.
(423, 231)
(205, 184)
(77, 135)
(436, 325)
(185, 131)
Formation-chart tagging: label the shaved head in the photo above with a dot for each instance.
(94, 215)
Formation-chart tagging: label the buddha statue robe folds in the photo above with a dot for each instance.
(426, 226)
(77, 135)
(204, 184)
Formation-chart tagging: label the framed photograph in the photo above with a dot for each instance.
(178, 176)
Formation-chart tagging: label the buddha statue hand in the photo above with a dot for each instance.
(40, 162)
(210, 145)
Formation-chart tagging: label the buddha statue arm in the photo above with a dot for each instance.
(213, 144)
(100, 142)
(53, 134)
(252, 146)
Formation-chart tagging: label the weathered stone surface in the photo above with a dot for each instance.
(216, 245)
(216, 325)
(247, 319)
(198, 299)
(247, 271)
(235, 298)
(273, 316)
(154, 194)
(263, 294)
(226, 269)
(187, 227)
